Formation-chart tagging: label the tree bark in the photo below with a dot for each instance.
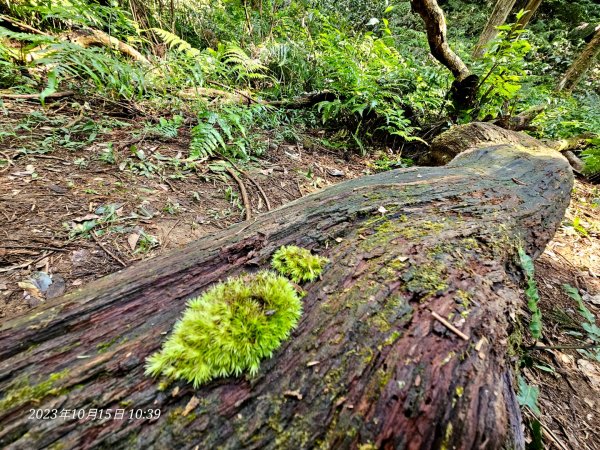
(580, 66)
(530, 10)
(463, 92)
(368, 366)
(435, 24)
(497, 17)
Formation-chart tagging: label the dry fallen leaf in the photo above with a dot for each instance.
(591, 372)
(132, 240)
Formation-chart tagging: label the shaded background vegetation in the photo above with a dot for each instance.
(382, 89)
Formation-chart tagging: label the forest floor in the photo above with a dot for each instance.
(76, 203)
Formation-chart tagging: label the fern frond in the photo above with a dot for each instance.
(176, 43)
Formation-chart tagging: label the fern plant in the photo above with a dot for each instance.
(165, 128)
(175, 42)
(225, 132)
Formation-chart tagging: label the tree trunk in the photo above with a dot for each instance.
(435, 24)
(464, 87)
(368, 366)
(586, 59)
(530, 10)
(497, 17)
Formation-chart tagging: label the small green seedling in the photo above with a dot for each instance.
(229, 329)
(298, 264)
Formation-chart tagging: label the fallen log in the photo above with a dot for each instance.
(370, 365)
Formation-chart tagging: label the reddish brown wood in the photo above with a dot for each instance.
(367, 365)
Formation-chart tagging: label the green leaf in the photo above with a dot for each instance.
(528, 395)
(51, 87)
(531, 292)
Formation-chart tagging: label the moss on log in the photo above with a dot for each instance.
(369, 366)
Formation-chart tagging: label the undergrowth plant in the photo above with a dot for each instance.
(589, 326)
(531, 292)
(229, 329)
(502, 72)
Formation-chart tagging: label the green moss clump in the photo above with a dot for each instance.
(299, 264)
(229, 329)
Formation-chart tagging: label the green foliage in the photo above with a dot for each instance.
(528, 395)
(229, 329)
(531, 292)
(369, 77)
(175, 42)
(384, 162)
(591, 157)
(592, 330)
(299, 264)
(503, 70)
(225, 132)
(165, 128)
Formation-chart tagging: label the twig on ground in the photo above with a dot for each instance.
(33, 247)
(35, 155)
(166, 180)
(37, 96)
(550, 433)
(9, 162)
(563, 347)
(260, 189)
(247, 205)
(25, 264)
(448, 325)
(164, 245)
(106, 250)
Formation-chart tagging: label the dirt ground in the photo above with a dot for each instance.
(85, 194)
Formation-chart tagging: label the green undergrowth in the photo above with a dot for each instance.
(531, 292)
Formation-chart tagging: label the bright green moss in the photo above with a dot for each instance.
(229, 329)
(298, 264)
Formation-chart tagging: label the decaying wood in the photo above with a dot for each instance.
(367, 364)
(242, 97)
(88, 37)
(448, 145)
(577, 164)
(243, 192)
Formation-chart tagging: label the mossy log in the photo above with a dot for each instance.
(369, 365)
